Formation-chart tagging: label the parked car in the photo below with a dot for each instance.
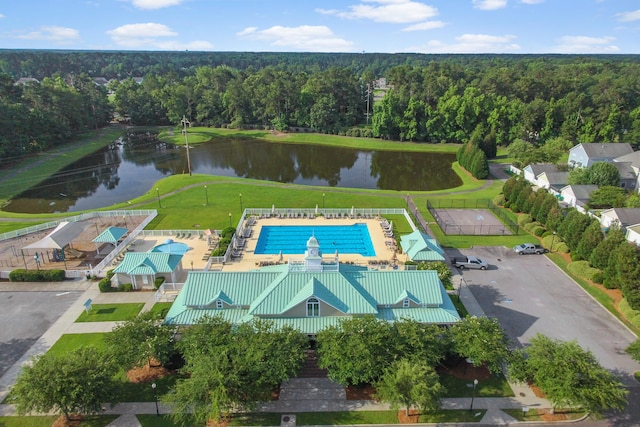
(529, 248)
(469, 262)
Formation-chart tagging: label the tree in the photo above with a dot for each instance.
(607, 197)
(600, 174)
(421, 342)
(568, 375)
(634, 350)
(410, 383)
(590, 239)
(229, 368)
(482, 340)
(356, 351)
(142, 339)
(600, 256)
(444, 272)
(80, 381)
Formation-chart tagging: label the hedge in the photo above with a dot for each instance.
(22, 275)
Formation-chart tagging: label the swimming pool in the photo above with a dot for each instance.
(292, 239)
(169, 246)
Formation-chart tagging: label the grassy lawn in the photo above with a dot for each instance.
(161, 309)
(496, 386)
(68, 342)
(46, 421)
(462, 310)
(142, 392)
(341, 418)
(111, 312)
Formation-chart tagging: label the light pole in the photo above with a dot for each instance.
(186, 122)
(240, 202)
(229, 219)
(206, 195)
(323, 201)
(552, 241)
(158, 196)
(124, 217)
(155, 397)
(473, 394)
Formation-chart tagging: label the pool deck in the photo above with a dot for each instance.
(251, 261)
(198, 247)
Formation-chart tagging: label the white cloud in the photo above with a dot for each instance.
(154, 4)
(532, 1)
(470, 43)
(585, 44)
(305, 37)
(1, 16)
(633, 15)
(152, 35)
(489, 4)
(52, 33)
(425, 26)
(387, 11)
(247, 31)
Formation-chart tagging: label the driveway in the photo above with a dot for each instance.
(528, 294)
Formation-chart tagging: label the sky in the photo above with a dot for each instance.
(382, 26)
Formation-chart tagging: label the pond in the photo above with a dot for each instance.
(129, 168)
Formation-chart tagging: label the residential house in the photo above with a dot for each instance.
(533, 171)
(577, 196)
(586, 154)
(628, 176)
(623, 217)
(553, 181)
(633, 234)
(26, 80)
(100, 81)
(312, 294)
(634, 160)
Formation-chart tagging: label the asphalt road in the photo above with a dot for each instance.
(24, 317)
(528, 294)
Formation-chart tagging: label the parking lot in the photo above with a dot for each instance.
(529, 294)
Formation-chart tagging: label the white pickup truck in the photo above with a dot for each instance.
(529, 248)
(469, 262)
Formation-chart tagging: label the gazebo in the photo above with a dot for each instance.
(110, 235)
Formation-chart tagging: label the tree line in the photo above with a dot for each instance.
(491, 100)
(39, 116)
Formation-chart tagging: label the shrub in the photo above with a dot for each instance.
(110, 274)
(524, 220)
(125, 287)
(531, 225)
(158, 282)
(561, 247)
(105, 285)
(598, 277)
(499, 200)
(583, 269)
(538, 230)
(228, 233)
(22, 275)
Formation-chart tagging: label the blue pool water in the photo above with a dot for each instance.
(177, 248)
(292, 239)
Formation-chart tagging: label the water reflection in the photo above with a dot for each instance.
(129, 168)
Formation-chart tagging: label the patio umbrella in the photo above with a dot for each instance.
(352, 210)
(273, 209)
(316, 209)
(280, 258)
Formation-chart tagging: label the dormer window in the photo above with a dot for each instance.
(219, 304)
(313, 307)
(405, 303)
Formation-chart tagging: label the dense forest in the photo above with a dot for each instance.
(487, 99)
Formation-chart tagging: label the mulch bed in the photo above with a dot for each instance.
(75, 420)
(147, 373)
(363, 392)
(465, 371)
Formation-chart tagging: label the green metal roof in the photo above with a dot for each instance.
(145, 263)
(420, 247)
(353, 290)
(111, 235)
